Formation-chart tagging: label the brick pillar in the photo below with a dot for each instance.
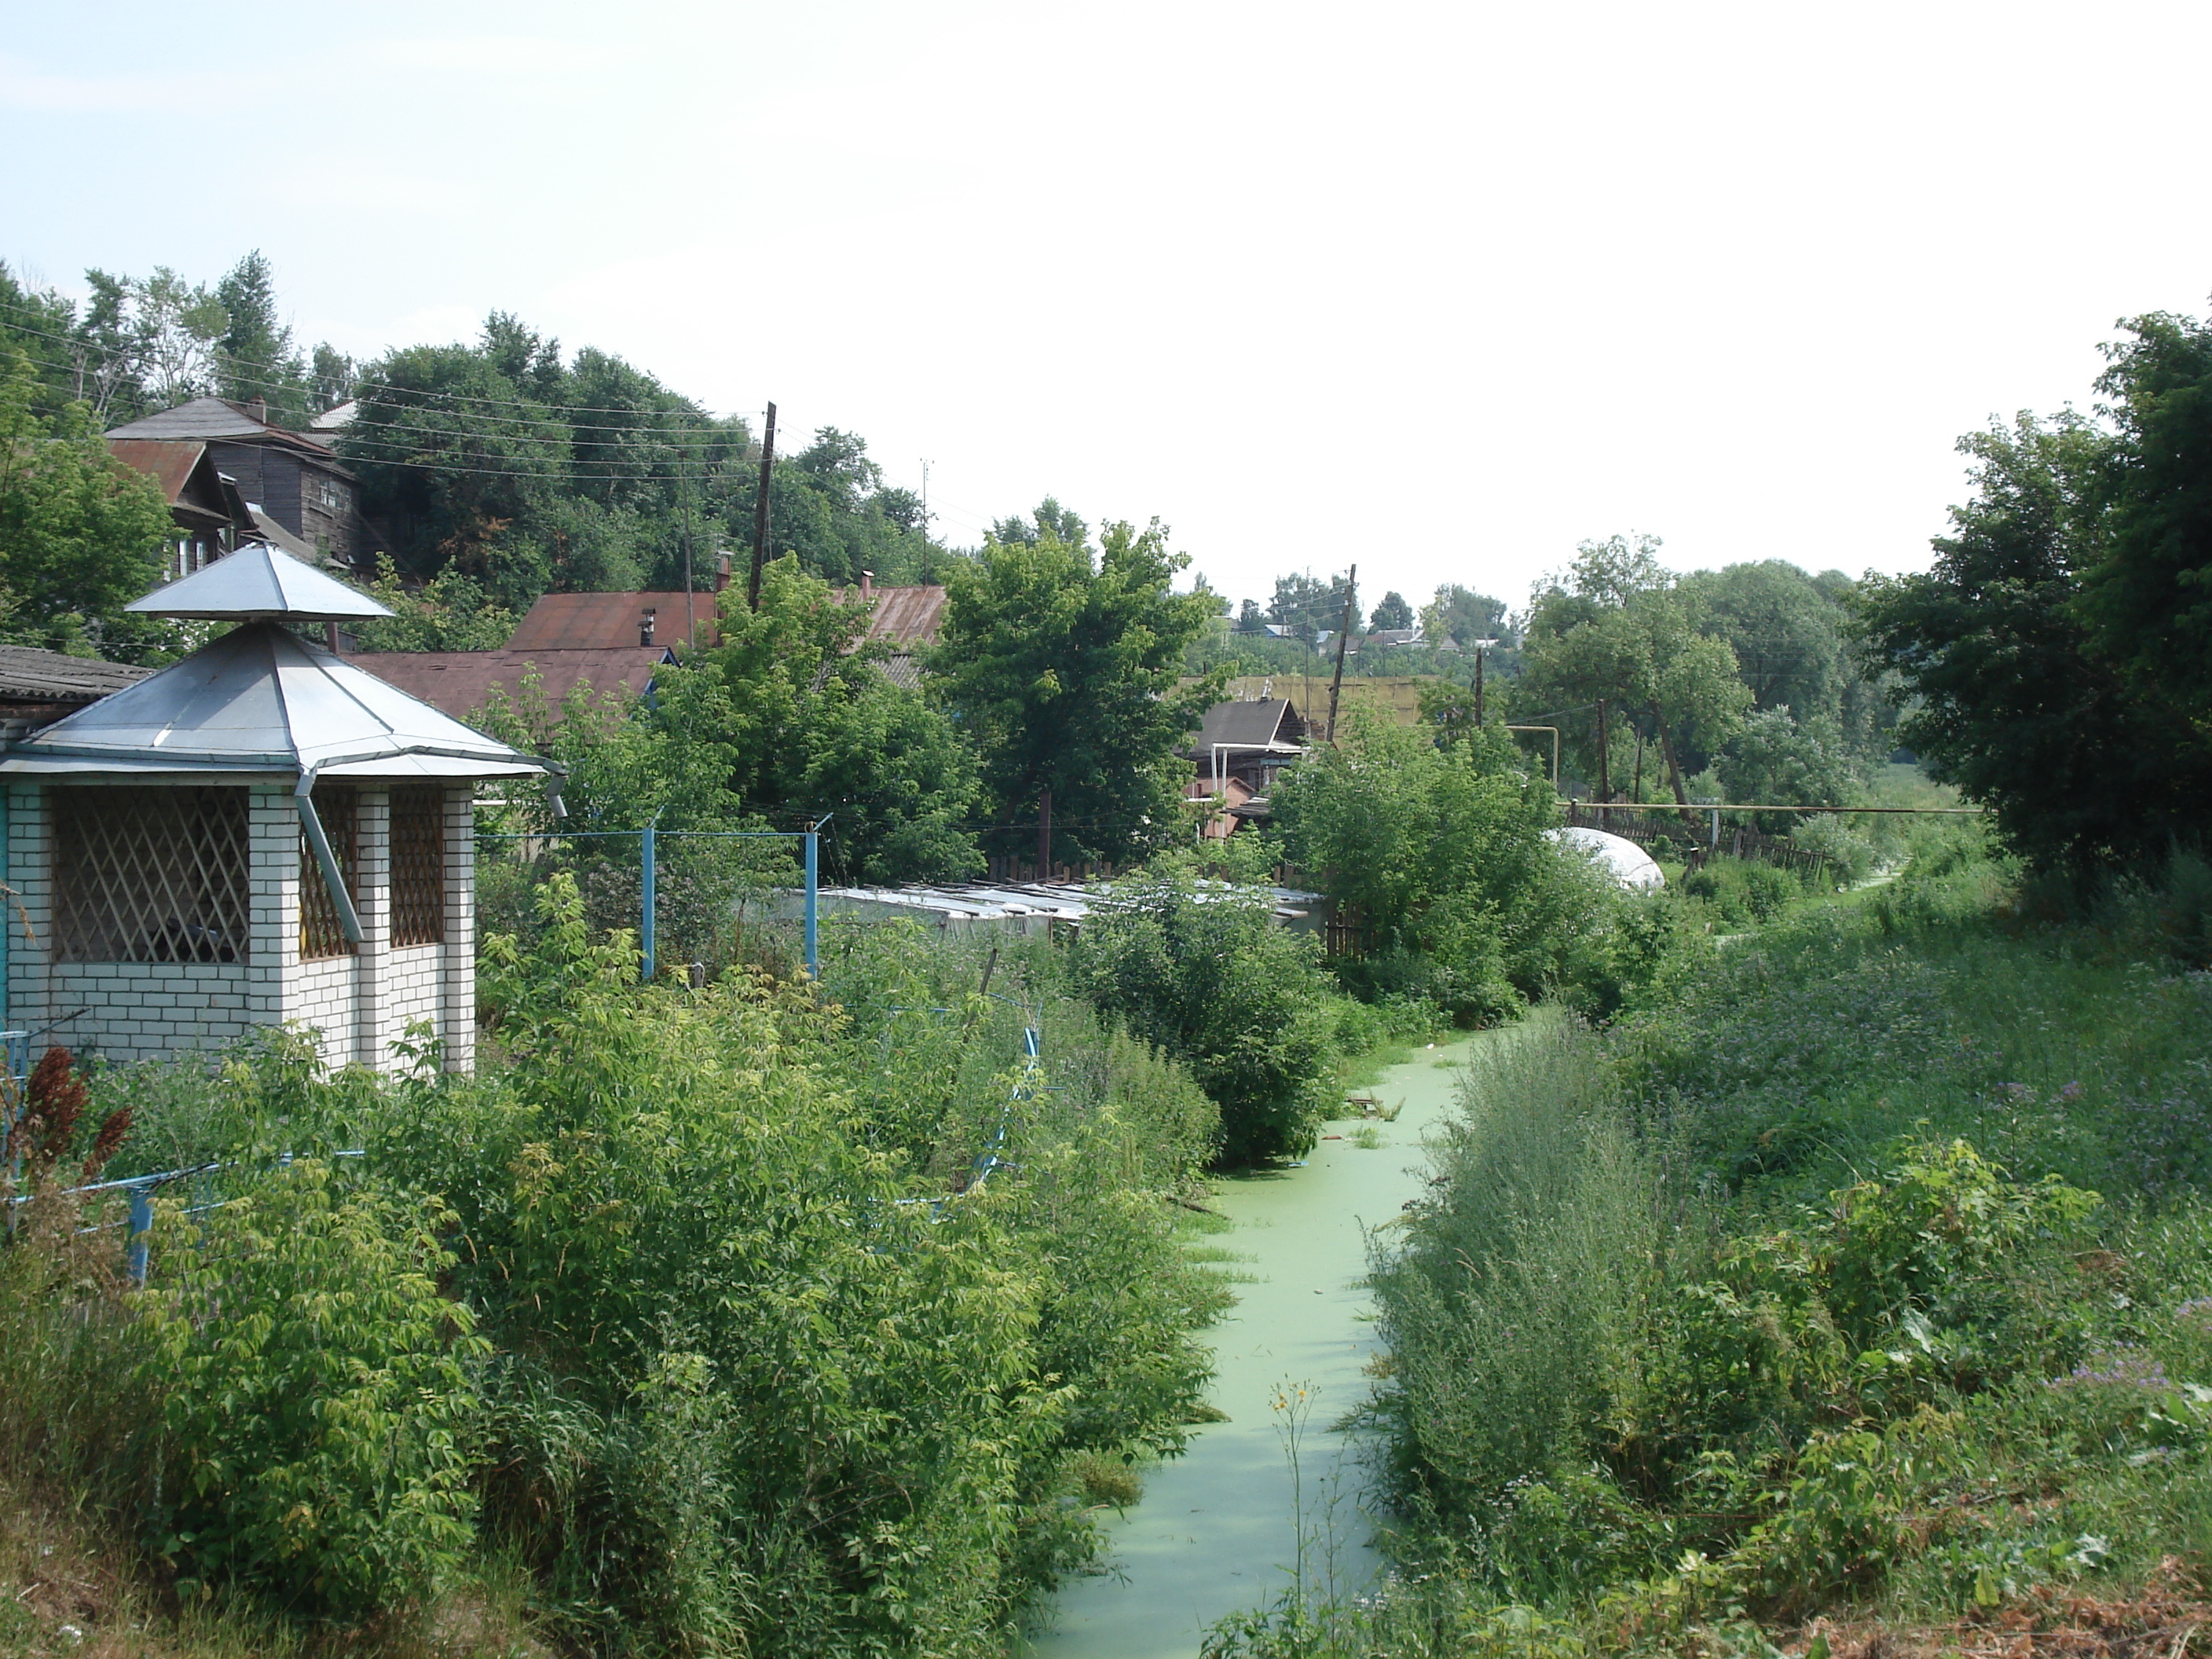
(273, 931)
(457, 1026)
(30, 872)
(373, 903)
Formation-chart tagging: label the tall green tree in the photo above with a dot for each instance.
(1391, 611)
(1646, 661)
(2147, 591)
(255, 357)
(2013, 694)
(1059, 665)
(81, 534)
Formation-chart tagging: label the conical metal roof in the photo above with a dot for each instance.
(261, 699)
(257, 583)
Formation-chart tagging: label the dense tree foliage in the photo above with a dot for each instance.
(81, 534)
(2018, 699)
(788, 720)
(1059, 665)
(1440, 853)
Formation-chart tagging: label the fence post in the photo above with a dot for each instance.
(645, 932)
(142, 1223)
(813, 957)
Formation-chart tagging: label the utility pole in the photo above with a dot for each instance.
(1343, 638)
(760, 513)
(1044, 834)
(924, 502)
(1481, 649)
(1604, 739)
(690, 607)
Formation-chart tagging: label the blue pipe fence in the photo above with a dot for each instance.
(649, 839)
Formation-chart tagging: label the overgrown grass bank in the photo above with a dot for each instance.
(1863, 1272)
(729, 1320)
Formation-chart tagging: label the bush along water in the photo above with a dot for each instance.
(749, 1318)
(1859, 1270)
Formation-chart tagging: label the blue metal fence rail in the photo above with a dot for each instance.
(139, 1191)
(1025, 1088)
(648, 867)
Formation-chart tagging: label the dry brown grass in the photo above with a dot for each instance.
(2170, 1617)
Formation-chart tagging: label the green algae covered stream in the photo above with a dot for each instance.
(1215, 1532)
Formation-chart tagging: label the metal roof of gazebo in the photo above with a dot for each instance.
(260, 700)
(257, 583)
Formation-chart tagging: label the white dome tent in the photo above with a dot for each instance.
(1620, 856)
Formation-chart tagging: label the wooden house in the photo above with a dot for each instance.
(294, 479)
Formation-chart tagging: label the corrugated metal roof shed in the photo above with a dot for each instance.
(598, 621)
(461, 682)
(50, 676)
(260, 699)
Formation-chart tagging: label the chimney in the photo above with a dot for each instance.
(867, 586)
(721, 571)
(646, 623)
(260, 410)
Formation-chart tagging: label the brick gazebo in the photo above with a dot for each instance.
(260, 834)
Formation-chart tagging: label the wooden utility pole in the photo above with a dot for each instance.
(760, 513)
(1604, 741)
(1343, 638)
(1480, 652)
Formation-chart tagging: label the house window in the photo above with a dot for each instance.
(321, 933)
(146, 874)
(418, 866)
(332, 496)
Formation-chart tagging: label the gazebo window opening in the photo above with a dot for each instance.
(321, 933)
(146, 873)
(418, 866)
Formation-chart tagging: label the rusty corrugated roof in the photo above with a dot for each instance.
(904, 616)
(168, 463)
(576, 621)
(460, 683)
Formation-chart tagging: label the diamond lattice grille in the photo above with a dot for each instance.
(321, 933)
(146, 874)
(418, 866)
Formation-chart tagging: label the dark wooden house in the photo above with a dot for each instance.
(296, 481)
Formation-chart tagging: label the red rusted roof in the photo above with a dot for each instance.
(168, 464)
(573, 622)
(904, 616)
(460, 683)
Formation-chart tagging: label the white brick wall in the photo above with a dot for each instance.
(361, 1003)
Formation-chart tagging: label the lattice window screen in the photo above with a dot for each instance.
(321, 933)
(146, 874)
(418, 866)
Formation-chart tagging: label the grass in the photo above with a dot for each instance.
(1717, 1328)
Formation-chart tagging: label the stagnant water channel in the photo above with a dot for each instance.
(1215, 1531)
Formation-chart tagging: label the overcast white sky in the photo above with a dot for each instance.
(1441, 289)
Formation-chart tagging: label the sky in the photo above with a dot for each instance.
(1441, 290)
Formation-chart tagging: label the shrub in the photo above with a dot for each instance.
(317, 1395)
(1851, 857)
(1201, 970)
(1443, 851)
